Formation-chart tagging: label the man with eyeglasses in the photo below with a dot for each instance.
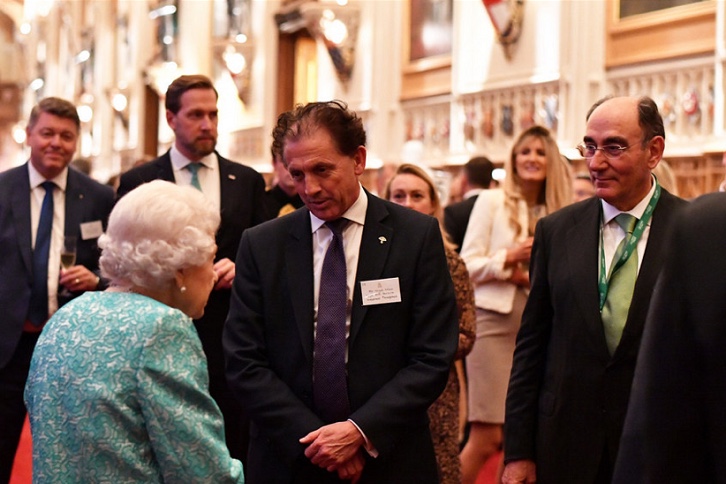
(581, 328)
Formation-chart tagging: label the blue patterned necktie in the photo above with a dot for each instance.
(620, 287)
(194, 170)
(38, 311)
(330, 386)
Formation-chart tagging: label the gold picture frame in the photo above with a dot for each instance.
(426, 64)
(658, 34)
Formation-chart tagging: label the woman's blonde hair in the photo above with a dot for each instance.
(557, 188)
(155, 230)
(666, 177)
(438, 208)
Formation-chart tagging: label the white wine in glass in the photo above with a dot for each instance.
(68, 252)
(68, 259)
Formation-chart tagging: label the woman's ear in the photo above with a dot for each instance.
(179, 278)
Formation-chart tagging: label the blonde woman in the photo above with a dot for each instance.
(496, 250)
(410, 186)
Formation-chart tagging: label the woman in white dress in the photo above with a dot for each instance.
(496, 251)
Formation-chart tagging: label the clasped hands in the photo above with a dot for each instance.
(337, 448)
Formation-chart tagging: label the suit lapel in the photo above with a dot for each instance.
(583, 249)
(299, 263)
(374, 247)
(226, 179)
(21, 216)
(74, 205)
(165, 170)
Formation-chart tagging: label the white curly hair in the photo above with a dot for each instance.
(155, 230)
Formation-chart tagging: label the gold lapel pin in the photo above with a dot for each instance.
(382, 239)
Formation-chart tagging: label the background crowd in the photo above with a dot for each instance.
(210, 330)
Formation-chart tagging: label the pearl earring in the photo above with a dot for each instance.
(183, 289)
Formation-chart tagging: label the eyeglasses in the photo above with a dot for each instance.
(612, 151)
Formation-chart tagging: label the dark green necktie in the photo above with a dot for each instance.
(194, 169)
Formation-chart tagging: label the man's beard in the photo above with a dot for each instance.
(204, 147)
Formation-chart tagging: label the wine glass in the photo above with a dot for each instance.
(68, 258)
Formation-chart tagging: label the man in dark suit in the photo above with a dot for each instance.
(282, 197)
(395, 332)
(476, 175)
(577, 346)
(80, 208)
(238, 191)
(675, 430)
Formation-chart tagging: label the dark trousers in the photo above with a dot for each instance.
(209, 328)
(12, 408)
(236, 422)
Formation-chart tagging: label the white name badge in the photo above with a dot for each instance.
(381, 291)
(91, 230)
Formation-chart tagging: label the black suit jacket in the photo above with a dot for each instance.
(277, 199)
(398, 354)
(675, 430)
(567, 396)
(456, 219)
(242, 204)
(86, 201)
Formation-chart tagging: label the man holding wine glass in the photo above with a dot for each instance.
(68, 260)
(41, 202)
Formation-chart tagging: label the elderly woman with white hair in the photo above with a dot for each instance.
(118, 385)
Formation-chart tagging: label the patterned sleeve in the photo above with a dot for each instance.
(464, 303)
(184, 423)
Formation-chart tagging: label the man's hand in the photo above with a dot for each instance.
(333, 445)
(352, 469)
(78, 278)
(520, 472)
(225, 273)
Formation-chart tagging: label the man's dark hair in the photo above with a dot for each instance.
(478, 170)
(182, 84)
(277, 141)
(649, 118)
(57, 107)
(345, 127)
(84, 165)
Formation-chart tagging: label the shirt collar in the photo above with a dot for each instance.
(609, 212)
(355, 213)
(36, 178)
(179, 161)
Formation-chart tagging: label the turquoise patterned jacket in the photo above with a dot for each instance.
(118, 393)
